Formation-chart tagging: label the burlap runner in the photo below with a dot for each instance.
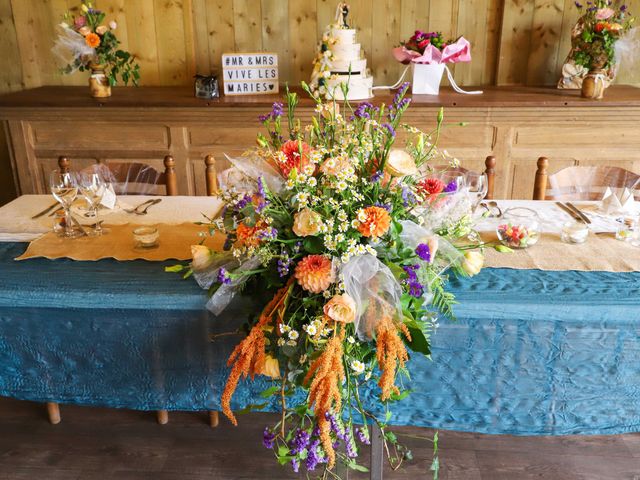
(598, 253)
(175, 243)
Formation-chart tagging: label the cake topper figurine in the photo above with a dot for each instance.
(344, 7)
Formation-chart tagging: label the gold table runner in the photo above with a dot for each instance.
(175, 243)
(598, 253)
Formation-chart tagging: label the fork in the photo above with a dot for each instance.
(136, 209)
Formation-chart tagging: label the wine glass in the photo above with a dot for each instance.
(64, 188)
(93, 188)
(477, 186)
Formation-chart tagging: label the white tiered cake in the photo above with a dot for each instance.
(339, 61)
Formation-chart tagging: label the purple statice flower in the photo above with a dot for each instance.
(262, 204)
(416, 289)
(276, 111)
(578, 4)
(389, 128)
(350, 444)
(424, 252)
(623, 8)
(363, 435)
(410, 270)
(295, 464)
(386, 206)
(268, 234)
(243, 202)
(401, 91)
(268, 438)
(296, 248)
(228, 243)
(362, 110)
(299, 442)
(313, 457)
(377, 176)
(261, 191)
(284, 266)
(407, 196)
(223, 276)
(451, 187)
(264, 118)
(336, 425)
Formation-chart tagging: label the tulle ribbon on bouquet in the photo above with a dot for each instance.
(71, 46)
(443, 253)
(627, 50)
(253, 167)
(375, 290)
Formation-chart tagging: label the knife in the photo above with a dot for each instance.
(582, 215)
(45, 211)
(573, 214)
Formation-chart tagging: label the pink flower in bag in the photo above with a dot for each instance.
(604, 13)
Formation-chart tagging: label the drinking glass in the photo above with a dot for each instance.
(64, 188)
(93, 188)
(477, 186)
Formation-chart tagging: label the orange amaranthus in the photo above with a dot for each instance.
(391, 353)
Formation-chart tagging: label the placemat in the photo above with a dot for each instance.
(598, 253)
(175, 243)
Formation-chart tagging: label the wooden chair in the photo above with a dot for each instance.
(490, 171)
(133, 178)
(210, 175)
(580, 182)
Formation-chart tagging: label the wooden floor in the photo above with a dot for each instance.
(96, 444)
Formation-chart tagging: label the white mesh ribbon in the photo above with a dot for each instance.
(206, 271)
(255, 167)
(71, 46)
(375, 290)
(223, 296)
(443, 254)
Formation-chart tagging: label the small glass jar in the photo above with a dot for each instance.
(574, 232)
(146, 237)
(519, 228)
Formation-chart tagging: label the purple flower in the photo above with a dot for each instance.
(389, 128)
(276, 111)
(386, 206)
(362, 111)
(261, 191)
(410, 270)
(578, 4)
(452, 186)
(299, 442)
(424, 252)
(284, 265)
(313, 457)
(295, 464)
(623, 8)
(228, 243)
(377, 176)
(352, 449)
(223, 276)
(268, 438)
(415, 289)
(336, 425)
(363, 435)
(401, 91)
(243, 202)
(407, 196)
(268, 234)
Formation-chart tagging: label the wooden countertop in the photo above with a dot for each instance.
(66, 97)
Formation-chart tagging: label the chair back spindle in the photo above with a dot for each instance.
(540, 183)
(210, 175)
(490, 171)
(170, 176)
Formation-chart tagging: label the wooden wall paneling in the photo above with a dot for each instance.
(386, 25)
(570, 16)
(414, 15)
(472, 23)
(275, 34)
(303, 22)
(325, 14)
(515, 42)
(248, 30)
(201, 37)
(170, 39)
(361, 18)
(492, 46)
(546, 28)
(443, 17)
(141, 35)
(219, 15)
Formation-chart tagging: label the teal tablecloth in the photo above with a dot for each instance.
(532, 352)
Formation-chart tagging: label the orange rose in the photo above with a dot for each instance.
(92, 40)
(377, 222)
(341, 308)
(306, 222)
(270, 367)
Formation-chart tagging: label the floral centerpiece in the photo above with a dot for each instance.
(428, 53)
(593, 45)
(86, 43)
(332, 221)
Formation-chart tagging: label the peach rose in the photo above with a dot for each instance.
(334, 165)
(270, 367)
(84, 31)
(306, 222)
(202, 257)
(472, 263)
(400, 164)
(101, 30)
(341, 308)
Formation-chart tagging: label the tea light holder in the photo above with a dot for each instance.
(574, 232)
(206, 86)
(146, 237)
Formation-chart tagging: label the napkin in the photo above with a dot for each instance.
(617, 203)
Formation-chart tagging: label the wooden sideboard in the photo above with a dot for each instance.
(515, 124)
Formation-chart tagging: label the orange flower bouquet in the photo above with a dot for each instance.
(331, 228)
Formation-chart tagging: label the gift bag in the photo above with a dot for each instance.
(427, 78)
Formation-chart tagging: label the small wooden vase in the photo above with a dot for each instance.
(99, 83)
(593, 84)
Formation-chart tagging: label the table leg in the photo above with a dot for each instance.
(214, 419)
(377, 452)
(54, 413)
(163, 417)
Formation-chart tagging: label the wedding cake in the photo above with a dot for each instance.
(339, 61)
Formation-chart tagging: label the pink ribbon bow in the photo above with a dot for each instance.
(460, 51)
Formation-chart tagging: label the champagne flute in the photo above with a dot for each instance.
(93, 188)
(64, 188)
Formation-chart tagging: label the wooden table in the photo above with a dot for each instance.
(516, 124)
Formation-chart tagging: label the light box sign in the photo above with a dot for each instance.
(250, 73)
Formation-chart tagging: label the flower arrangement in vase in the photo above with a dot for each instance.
(599, 29)
(333, 224)
(86, 43)
(428, 53)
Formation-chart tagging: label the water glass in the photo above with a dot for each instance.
(64, 188)
(477, 186)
